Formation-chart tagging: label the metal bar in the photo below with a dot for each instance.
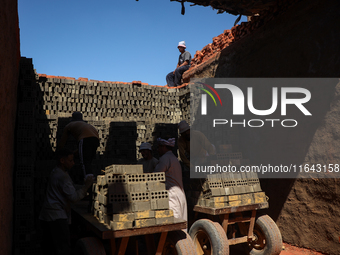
(161, 243)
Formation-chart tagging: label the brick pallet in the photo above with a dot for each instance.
(126, 198)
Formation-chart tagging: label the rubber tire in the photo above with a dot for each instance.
(179, 242)
(89, 246)
(272, 237)
(216, 236)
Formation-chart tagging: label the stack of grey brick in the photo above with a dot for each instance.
(45, 106)
(125, 197)
(25, 238)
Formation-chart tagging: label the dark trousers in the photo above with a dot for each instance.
(88, 153)
(56, 237)
(174, 79)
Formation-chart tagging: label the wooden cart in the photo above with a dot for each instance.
(234, 225)
(172, 239)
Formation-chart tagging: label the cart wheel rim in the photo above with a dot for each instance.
(203, 243)
(259, 241)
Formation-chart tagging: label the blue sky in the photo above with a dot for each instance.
(114, 40)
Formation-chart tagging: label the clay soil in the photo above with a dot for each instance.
(292, 250)
(287, 250)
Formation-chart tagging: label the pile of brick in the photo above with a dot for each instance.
(125, 114)
(126, 198)
(25, 153)
(231, 189)
(237, 32)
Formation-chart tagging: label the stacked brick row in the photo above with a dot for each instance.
(119, 101)
(125, 115)
(25, 153)
(126, 198)
(229, 188)
(239, 31)
(119, 111)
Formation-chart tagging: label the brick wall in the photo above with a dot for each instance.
(125, 115)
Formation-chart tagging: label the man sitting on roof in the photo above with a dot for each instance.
(173, 79)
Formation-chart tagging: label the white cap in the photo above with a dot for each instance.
(181, 44)
(183, 126)
(145, 146)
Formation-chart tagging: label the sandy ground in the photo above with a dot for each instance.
(292, 250)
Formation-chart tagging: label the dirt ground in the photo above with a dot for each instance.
(292, 250)
(288, 250)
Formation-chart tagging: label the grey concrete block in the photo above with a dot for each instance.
(144, 214)
(137, 187)
(105, 209)
(116, 225)
(102, 199)
(145, 223)
(155, 186)
(164, 213)
(123, 217)
(138, 206)
(121, 207)
(96, 205)
(114, 198)
(120, 188)
(163, 221)
(160, 204)
(156, 177)
(138, 196)
(120, 178)
(159, 194)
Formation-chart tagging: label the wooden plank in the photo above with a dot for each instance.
(225, 222)
(238, 220)
(104, 232)
(251, 225)
(123, 245)
(179, 224)
(218, 211)
(161, 243)
(113, 246)
(150, 244)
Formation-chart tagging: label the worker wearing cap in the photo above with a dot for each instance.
(200, 145)
(148, 161)
(87, 137)
(169, 164)
(173, 79)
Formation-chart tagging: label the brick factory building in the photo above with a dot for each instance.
(288, 39)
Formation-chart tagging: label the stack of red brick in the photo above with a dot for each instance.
(237, 32)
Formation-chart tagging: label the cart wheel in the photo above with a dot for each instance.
(178, 242)
(209, 238)
(268, 240)
(89, 246)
